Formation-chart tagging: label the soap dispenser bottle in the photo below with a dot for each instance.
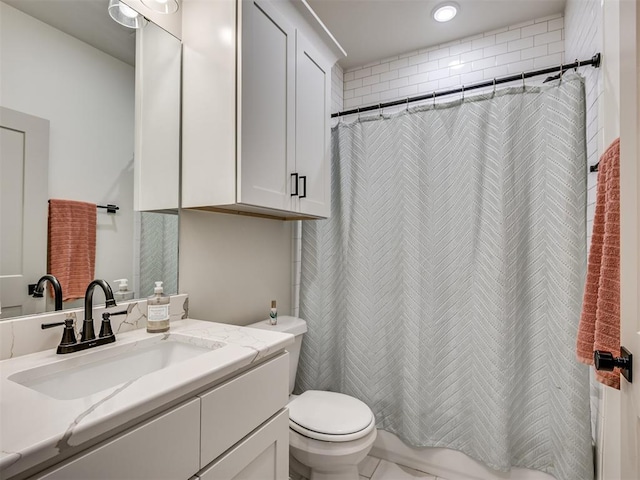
(123, 293)
(158, 311)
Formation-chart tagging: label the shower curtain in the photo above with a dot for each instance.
(158, 252)
(445, 290)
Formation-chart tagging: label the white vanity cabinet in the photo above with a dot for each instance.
(263, 455)
(165, 447)
(236, 429)
(256, 108)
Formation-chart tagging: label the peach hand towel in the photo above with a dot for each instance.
(72, 245)
(599, 327)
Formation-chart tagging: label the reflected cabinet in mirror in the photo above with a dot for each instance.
(80, 95)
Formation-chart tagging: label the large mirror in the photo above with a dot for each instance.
(66, 62)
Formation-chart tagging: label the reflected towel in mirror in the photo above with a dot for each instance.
(71, 252)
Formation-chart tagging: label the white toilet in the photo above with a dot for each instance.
(329, 433)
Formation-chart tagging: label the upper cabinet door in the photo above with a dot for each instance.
(157, 125)
(266, 124)
(313, 97)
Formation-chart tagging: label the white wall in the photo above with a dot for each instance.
(88, 96)
(609, 116)
(232, 266)
(506, 51)
(583, 19)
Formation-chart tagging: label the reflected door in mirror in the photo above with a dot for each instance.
(24, 157)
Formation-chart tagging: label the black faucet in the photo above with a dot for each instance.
(87, 326)
(88, 338)
(57, 289)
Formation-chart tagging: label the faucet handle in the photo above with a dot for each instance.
(44, 326)
(105, 328)
(106, 315)
(68, 334)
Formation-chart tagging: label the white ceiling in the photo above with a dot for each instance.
(87, 20)
(368, 30)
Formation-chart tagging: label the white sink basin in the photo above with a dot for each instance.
(93, 371)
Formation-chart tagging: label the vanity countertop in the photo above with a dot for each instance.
(35, 427)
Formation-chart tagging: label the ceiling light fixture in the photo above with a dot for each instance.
(125, 15)
(162, 6)
(445, 11)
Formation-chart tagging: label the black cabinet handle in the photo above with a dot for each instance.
(304, 184)
(295, 183)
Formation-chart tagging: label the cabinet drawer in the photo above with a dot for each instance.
(165, 447)
(233, 409)
(264, 455)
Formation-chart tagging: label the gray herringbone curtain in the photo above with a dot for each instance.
(445, 290)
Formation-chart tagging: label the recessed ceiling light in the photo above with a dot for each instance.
(445, 11)
(125, 15)
(162, 6)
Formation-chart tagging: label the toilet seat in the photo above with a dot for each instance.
(330, 416)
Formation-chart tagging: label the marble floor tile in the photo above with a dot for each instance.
(391, 471)
(368, 466)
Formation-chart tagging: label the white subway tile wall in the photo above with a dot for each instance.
(337, 88)
(510, 50)
(583, 19)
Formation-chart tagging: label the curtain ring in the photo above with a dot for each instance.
(494, 85)
(523, 85)
(407, 107)
(434, 99)
(380, 110)
(462, 93)
(575, 69)
(561, 71)
(358, 113)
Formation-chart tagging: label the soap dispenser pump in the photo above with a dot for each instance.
(158, 311)
(123, 293)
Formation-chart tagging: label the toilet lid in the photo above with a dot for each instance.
(329, 414)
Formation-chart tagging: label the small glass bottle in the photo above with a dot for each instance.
(273, 314)
(158, 311)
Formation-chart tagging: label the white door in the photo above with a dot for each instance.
(630, 233)
(24, 159)
(313, 102)
(266, 127)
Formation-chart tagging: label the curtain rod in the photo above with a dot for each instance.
(594, 61)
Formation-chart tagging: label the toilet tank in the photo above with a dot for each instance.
(295, 326)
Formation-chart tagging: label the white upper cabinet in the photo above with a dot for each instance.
(313, 103)
(256, 100)
(266, 131)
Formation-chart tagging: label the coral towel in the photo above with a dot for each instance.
(72, 245)
(599, 327)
